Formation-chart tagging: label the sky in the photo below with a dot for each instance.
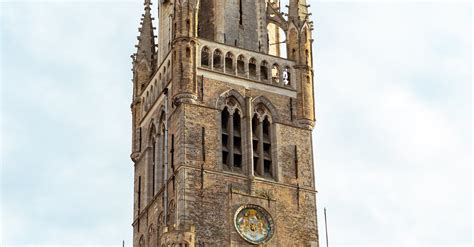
(393, 139)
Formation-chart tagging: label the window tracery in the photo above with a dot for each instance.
(262, 141)
(231, 134)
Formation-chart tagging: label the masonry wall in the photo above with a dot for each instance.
(211, 195)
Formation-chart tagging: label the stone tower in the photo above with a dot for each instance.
(222, 113)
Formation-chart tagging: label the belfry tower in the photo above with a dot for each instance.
(222, 113)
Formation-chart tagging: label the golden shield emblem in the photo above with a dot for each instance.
(254, 224)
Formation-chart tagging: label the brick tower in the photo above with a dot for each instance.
(222, 112)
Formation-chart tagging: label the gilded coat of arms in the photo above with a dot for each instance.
(254, 224)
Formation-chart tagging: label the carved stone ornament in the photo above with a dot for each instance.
(254, 224)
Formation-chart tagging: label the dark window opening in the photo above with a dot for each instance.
(263, 72)
(231, 140)
(153, 168)
(229, 63)
(205, 57)
(267, 168)
(217, 60)
(139, 203)
(188, 52)
(262, 147)
(241, 66)
(253, 69)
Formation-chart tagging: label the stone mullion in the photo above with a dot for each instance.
(230, 141)
(158, 163)
(249, 139)
(260, 149)
(154, 167)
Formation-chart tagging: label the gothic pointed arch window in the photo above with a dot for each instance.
(241, 65)
(231, 135)
(262, 141)
(217, 60)
(264, 71)
(161, 152)
(205, 54)
(152, 162)
(229, 63)
(253, 68)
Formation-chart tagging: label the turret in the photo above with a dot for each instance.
(184, 50)
(300, 50)
(144, 60)
(298, 10)
(144, 64)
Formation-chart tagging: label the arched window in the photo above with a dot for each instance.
(275, 74)
(264, 71)
(217, 60)
(262, 142)
(188, 52)
(287, 77)
(276, 40)
(241, 65)
(229, 63)
(152, 162)
(253, 68)
(161, 152)
(231, 130)
(205, 53)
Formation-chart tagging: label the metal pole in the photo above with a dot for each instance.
(326, 227)
(166, 158)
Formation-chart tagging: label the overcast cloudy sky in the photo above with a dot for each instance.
(393, 141)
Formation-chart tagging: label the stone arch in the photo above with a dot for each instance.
(229, 62)
(151, 130)
(264, 71)
(265, 102)
(222, 100)
(160, 114)
(205, 56)
(241, 70)
(277, 39)
(253, 68)
(292, 43)
(217, 62)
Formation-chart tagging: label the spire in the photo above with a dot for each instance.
(298, 10)
(146, 40)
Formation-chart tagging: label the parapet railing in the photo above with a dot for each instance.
(255, 66)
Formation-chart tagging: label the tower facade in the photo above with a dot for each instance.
(222, 115)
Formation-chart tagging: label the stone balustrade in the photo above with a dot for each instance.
(255, 66)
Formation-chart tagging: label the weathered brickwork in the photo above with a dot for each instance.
(219, 123)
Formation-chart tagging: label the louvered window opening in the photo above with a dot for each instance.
(231, 140)
(262, 147)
